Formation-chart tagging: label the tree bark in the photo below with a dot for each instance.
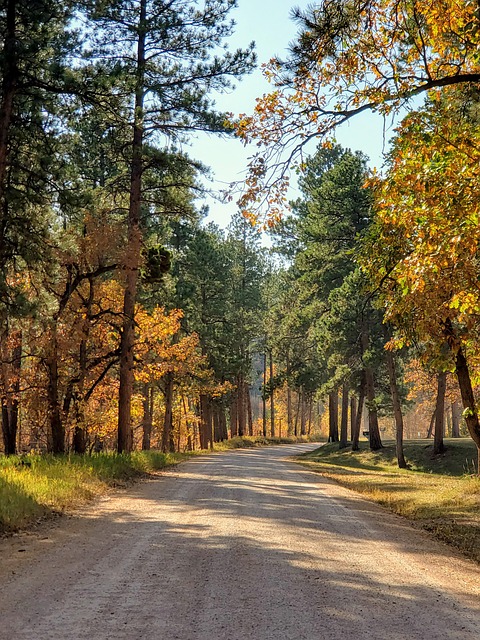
(168, 440)
(455, 420)
(11, 402)
(241, 406)
(333, 416)
(220, 424)
(272, 399)
(147, 419)
(289, 400)
(344, 418)
(249, 409)
(133, 250)
(470, 412)
(303, 413)
(353, 415)
(431, 425)
(57, 430)
(9, 88)
(80, 432)
(233, 416)
(206, 437)
(310, 411)
(373, 429)
(438, 446)
(223, 424)
(397, 406)
(297, 414)
(264, 397)
(359, 413)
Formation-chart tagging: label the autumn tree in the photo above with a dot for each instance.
(167, 64)
(350, 57)
(427, 212)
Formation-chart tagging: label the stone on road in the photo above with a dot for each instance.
(243, 545)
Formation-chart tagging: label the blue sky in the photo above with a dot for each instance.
(268, 23)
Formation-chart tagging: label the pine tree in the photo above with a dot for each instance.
(167, 66)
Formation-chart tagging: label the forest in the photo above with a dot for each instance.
(127, 321)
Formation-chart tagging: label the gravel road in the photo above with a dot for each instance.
(243, 545)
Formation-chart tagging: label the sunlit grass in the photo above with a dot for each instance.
(242, 442)
(446, 503)
(34, 486)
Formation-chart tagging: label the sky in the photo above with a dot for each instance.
(269, 24)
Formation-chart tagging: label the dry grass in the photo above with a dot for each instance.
(34, 486)
(446, 505)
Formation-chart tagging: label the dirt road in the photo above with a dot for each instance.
(237, 546)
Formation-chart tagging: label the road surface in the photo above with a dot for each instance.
(243, 545)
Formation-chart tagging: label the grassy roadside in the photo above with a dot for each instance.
(438, 492)
(36, 486)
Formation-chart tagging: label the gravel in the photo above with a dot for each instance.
(242, 545)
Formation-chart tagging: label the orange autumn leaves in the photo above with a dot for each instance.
(427, 236)
(351, 56)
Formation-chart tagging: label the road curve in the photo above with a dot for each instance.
(243, 545)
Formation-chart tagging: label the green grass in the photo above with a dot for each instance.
(35, 486)
(437, 492)
(243, 442)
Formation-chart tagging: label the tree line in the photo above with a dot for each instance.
(127, 322)
(419, 255)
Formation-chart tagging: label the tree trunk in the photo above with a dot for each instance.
(206, 438)
(397, 406)
(431, 425)
(289, 400)
(223, 424)
(353, 415)
(333, 416)
(249, 409)
(264, 397)
(233, 416)
(168, 440)
(9, 88)
(359, 414)
(455, 420)
(297, 414)
(310, 411)
(133, 250)
(448, 419)
(344, 419)
(272, 398)
(190, 442)
(80, 432)
(470, 412)
(303, 413)
(438, 446)
(220, 424)
(241, 406)
(57, 430)
(147, 419)
(373, 429)
(11, 403)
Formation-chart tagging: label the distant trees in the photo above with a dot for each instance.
(325, 229)
(164, 62)
(351, 57)
(95, 101)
